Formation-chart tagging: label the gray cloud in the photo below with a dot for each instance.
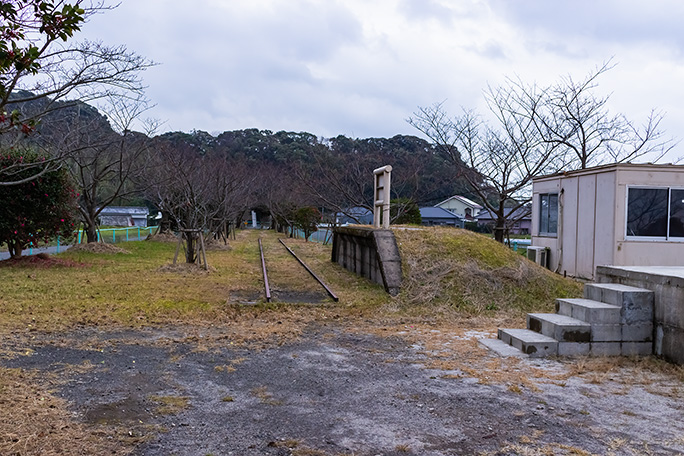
(360, 68)
(621, 22)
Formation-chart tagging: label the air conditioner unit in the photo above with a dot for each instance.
(539, 255)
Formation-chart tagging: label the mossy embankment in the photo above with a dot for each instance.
(451, 270)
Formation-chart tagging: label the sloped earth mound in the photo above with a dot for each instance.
(97, 247)
(163, 237)
(335, 391)
(467, 272)
(217, 245)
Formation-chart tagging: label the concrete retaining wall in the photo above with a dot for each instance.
(369, 252)
(667, 285)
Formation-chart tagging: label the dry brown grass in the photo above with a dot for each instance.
(262, 393)
(452, 346)
(97, 247)
(655, 375)
(114, 291)
(170, 405)
(449, 270)
(34, 422)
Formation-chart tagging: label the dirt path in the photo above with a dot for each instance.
(336, 392)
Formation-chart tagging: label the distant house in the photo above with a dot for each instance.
(436, 216)
(461, 206)
(124, 216)
(355, 215)
(520, 222)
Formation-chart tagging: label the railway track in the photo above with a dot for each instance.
(267, 283)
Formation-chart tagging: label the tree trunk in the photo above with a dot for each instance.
(499, 230)
(15, 249)
(190, 246)
(165, 223)
(91, 232)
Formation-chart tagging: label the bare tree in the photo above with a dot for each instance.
(339, 173)
(42, 65)
(281, 193)
(502, 160)
(570, 115)
(538, 130)
(338, 181)
(105, 155)
(195, 190)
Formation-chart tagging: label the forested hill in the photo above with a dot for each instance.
(283, 168)
(419, 172)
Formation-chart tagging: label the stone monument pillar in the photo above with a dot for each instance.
(381, 205)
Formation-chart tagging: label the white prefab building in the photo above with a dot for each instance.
(617, 215)
(124, 216)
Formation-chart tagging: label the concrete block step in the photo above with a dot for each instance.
(529, 342)
(501, 348)
(588, 310)
(574, 349)
(636, 303)
(559, 327)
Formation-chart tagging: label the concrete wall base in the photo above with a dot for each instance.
(667, 285)
(370, 253)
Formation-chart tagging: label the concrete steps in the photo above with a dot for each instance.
(560, 327)
(611, 320)
(529, 342)
(589, 310)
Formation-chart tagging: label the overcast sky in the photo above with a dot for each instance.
(361, 67)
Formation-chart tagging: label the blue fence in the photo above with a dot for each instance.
(108, 235)
(114, 235)
(323, 235)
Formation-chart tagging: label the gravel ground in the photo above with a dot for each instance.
(334, 392)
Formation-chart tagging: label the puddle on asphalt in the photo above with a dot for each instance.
(130, 409)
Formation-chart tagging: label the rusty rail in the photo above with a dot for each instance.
(263, 269)
(328, 290)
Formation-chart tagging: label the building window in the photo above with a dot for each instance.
(548, 213)
(655, 212)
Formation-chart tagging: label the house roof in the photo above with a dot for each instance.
(612, 167)
(462, 199)
(522, 213)
(437, 213)
(125, 210)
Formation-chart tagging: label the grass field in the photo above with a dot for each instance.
(447, 276)
(139, 288)
(455, 283)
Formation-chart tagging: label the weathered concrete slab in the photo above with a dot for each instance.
(529, 342)
(560, 327)
(638, 333)
(390, 260)
(606, 348)
(501, 348)
(606, 333)
(637, 348)
(573, 349)
(667, 285)
(589, 310)
(636, 303)
(371, 253)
